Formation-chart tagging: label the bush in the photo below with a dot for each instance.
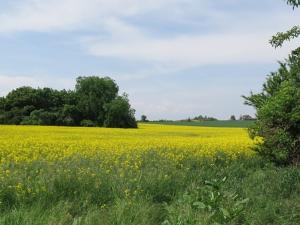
(120, 114)
(87, 123)
(40, 117)
(88, 105)
(278, 113)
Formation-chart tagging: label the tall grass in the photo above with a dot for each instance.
(82, 192)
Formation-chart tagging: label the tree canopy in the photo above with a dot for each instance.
(90, 104)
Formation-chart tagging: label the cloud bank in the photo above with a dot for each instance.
(166, 37)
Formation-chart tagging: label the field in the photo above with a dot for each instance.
(157, 174)
(217, 123)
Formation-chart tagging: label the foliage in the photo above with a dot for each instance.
(294, 3)
(93, 93)
(217, 206)
(90, 192)
(45, 106)
(40, 117)
(278, 113)
(204, 118)
(87, 123)
(278, 39)
(119, 113)
(246, 117)
(232, 117)
(144, 118)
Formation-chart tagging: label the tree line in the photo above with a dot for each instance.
(94, 102)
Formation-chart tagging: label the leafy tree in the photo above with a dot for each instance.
(86, 106)
(93, 93)
(87, 123)
(246, 117)
(2, 107)
(20, 98)
(278, 113)
(119, 113)
(232, 117)
(144, 118)
(40, 117)
(70, 115)
(204, 118)
(278, 106)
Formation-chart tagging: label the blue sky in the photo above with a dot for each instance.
(175, 58)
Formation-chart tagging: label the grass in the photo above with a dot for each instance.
(218, 123)
(196, 191)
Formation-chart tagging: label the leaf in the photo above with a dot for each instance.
(209, 183)
(166, 222)
(225, 212)
(244, 201)
(199, 205)
(215, 223)
(224, 179)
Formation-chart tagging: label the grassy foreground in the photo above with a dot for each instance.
(207, 191)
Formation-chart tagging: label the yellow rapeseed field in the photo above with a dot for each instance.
(30, 143)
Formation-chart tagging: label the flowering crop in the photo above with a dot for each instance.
(31, 143)
(99, 165)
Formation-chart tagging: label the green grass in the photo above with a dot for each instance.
(196, 191)
(218, 123)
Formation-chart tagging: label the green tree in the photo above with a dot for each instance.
(93, 93)
(144, 118)
(89, 105)
(119, 113)
(70, 115)
(232, 117)
(278, 106)
(2, 104)
(278, 113)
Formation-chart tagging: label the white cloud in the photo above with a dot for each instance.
(234, 37)
(49, 15)
(126, 31)
(191, 50)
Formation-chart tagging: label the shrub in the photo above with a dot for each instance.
(278, 113)
(87, 123)
(120, 114)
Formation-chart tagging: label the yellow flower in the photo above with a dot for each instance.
(119, 148)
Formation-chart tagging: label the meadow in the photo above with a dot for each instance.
(157, 174)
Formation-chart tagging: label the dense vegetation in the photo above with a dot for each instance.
(278, 113)
(198, 191)
(94, 102)
(278, 107)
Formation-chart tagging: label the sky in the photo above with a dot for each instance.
(175, 58)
